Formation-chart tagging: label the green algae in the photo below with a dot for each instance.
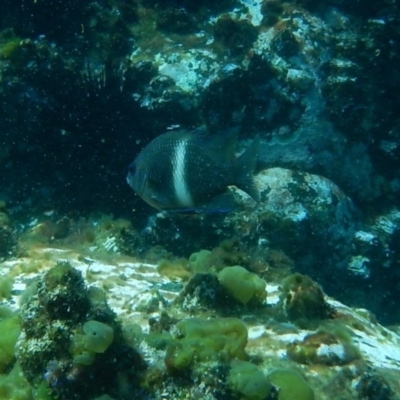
(10, 330)
(96, 338)
(4, 219)
(200, 261)
(13, 386)
(245, 378)
(9, 49)
(291, 385)
(242, 284)
(218, 339)
(6, 285)
(174, 269)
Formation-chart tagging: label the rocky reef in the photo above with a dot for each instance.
(107, 326)
(95, 283)
(316, 83)
(72, 345)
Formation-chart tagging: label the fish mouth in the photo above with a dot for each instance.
(129, 180)
(131, 176)
(137, 181)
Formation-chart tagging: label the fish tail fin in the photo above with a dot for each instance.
(245, 166)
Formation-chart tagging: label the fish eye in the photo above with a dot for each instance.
(132, 169)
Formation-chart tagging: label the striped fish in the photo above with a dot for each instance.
(190, 171)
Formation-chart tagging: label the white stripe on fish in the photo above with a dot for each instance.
(182, 193)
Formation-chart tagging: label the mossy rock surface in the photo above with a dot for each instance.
(303, 300)
(333, 347)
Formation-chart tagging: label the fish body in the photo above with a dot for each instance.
(191, 171)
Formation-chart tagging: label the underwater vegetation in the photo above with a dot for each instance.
(11, 329)
(291, 385)
(242, 285)
(242, 334)
(204, 340)
(247, 380)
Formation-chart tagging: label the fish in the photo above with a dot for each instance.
(190, 171)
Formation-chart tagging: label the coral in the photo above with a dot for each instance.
(291, 385)
(201, 340)
(243, 285)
